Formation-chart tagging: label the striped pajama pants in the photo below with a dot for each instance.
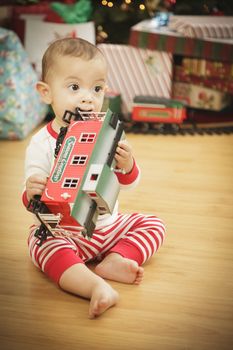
(134, 236)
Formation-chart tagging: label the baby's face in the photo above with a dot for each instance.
(77, 83)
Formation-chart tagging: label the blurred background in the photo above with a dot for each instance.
(170, 61)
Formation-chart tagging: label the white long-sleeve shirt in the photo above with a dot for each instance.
(40, 160)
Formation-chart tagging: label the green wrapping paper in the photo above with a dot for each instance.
(80, 12)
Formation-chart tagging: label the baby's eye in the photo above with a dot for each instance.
(98, 88)
(74, 87)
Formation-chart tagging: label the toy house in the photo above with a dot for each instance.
(83, 184)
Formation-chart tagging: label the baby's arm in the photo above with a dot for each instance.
(38, 162)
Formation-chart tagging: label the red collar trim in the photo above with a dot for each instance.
(52, 132)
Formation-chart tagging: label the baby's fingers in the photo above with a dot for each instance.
(121, 152)
(37, 179)
(124, 145)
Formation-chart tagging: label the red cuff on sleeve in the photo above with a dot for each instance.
(126, 179)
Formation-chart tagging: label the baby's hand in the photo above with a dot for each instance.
(35, 185)
(123, 156)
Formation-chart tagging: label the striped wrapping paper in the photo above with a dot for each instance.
(220, 27)
(134, 71)
(145, 36)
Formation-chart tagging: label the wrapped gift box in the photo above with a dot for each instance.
(145, 35)
(20, 106)
(220, 27)
(134, 71)
(206, 68)
(224, 85)
(40, 24)
(44, 33)
(200, 97)
(41, 10)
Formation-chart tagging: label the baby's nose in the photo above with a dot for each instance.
(86, 98)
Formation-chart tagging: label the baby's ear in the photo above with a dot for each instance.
(44, 92)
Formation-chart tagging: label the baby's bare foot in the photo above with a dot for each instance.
(115, 267)
(103, 298)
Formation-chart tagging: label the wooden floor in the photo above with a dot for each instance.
(186, 299)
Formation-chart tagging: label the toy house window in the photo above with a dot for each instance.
(87, 137)
(94, 177)
(79, 160)
(70, 183)
(93, 195)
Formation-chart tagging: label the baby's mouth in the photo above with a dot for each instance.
(83, 110)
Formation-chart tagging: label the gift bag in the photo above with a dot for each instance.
(20, 107)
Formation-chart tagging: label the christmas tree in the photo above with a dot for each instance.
(114, 18)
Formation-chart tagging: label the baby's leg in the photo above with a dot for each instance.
(79, 280)
(58, 259)
(140, 237)
(117, 268)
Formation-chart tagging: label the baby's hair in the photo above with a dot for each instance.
(75, 47)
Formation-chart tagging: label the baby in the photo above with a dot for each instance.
(74, 75)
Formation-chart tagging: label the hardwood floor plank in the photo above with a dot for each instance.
(186, 298)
